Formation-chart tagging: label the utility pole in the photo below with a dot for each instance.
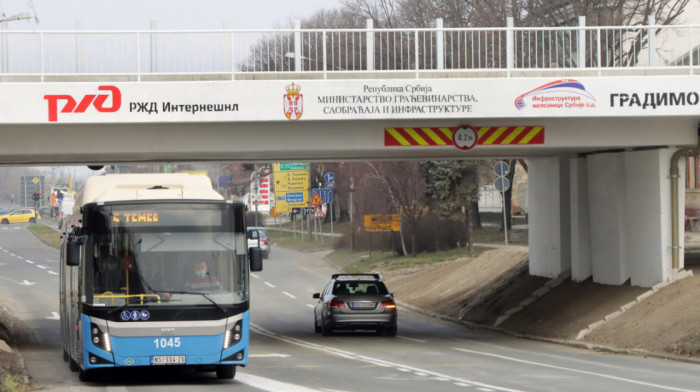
(352, 215)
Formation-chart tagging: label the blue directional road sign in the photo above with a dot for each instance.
(326, 194)
(295, 197)
(329, 177)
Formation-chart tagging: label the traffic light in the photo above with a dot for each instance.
(37, 195)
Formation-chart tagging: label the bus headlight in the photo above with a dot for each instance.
(233, 335)
(99, 338)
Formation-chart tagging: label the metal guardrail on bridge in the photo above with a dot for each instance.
(334, 53)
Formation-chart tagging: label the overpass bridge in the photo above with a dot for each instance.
(598, 111)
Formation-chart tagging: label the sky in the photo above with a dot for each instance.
(168, 14)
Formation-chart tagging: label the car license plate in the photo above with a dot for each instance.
(362, 305)
(168, 360)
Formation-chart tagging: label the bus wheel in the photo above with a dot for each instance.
(225, 371)
(86, 375)
(72, 365)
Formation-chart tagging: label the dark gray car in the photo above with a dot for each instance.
(355, 301)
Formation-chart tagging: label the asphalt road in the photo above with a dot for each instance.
(286, 355)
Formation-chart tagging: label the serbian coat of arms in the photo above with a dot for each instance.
(293, 102)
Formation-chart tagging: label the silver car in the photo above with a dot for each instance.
(258, 238)
(355, 301)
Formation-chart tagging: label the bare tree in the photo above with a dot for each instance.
(404, 185)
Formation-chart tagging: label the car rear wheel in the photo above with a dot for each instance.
(391, 330)
(326, 329)
(32, 220)
(5, 222)
(317, 329)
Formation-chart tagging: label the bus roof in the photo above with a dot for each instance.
(123, 187)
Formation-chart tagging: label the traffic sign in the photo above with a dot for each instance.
(502, 184)
(465, 137)
(316, 200)
(225, 181)
(501, 168)
(318, 213)
(329, 178)
(326, 194)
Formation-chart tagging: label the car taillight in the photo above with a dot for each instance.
(264, 241)
(389, 304)
(336, 304)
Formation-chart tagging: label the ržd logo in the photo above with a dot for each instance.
(97, 100)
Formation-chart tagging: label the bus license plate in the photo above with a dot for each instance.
(168, 360)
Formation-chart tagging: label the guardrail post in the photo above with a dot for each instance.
(581, 42)
(439, 44)
(154, 47)
(297, 46)
(5, 62)
(370, 45)
(651, 36)
(78, 51)
(509, 45)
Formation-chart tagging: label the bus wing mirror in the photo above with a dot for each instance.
(73, 250)
(256, 259)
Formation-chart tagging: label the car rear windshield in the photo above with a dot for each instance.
(359, 287)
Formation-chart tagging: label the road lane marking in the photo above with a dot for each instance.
(576, 370)
(54, 316)
(53, 273)
(270, 284)
(27, 283)
(374, 361)
(311, 306)
(29, 261)
(289, 295)
(269, 355)
(412, 340)
(254, 275)
(41, 266)
(268, 384)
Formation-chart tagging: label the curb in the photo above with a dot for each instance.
(568, 343)
(672, 279)
(534, 296)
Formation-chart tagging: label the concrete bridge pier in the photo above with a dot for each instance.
(605, 215)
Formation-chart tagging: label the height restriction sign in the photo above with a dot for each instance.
(465, 137)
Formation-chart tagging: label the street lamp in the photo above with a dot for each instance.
(20, 16)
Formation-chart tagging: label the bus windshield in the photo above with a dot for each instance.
(165, 254)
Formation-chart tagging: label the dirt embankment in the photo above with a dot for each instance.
(666, 322)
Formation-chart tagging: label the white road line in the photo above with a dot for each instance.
(254, 275)
(371, 360)
(268, 384)
(289, 295)
(53, 273)
(54, 316)
(270, 284)
(311, 306)
(628, 380)
(29, 261)
(41, 266)
(412, 340)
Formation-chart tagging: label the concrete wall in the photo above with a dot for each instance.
(581, 268)
(606, 198)
(549, 226)
(606, 215)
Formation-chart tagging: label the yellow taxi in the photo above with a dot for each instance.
(21, 215)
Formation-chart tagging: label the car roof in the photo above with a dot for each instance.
(358, 277)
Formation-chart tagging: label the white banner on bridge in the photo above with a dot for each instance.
(311, 100)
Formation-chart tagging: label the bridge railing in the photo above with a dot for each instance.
(333, 53)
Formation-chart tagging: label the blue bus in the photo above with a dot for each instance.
(155, 271)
